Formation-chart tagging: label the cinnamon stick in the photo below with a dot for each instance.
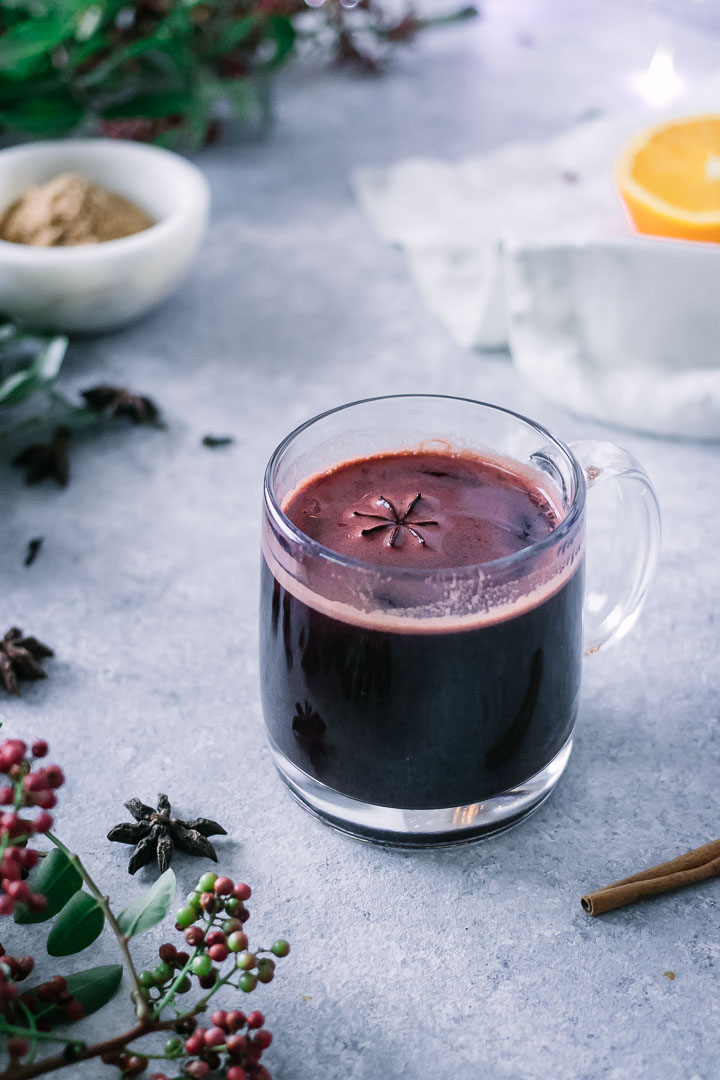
(696, 865)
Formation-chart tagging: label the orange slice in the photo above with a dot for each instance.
(669, 179)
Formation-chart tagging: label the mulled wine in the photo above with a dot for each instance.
(438, 683)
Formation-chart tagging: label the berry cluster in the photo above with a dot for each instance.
(212, 920)
(50, 997)
(27, 788)
(12, 970)
(205, 1047)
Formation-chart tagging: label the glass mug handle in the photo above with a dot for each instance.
(623, 543)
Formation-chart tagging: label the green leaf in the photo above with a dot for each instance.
(282, 32)
(18, 386)
(53, 114)
(41, 371)
(30, 39)
(92, 988)
(150, 908)
(79, 924)
(238, 32)
(56, 878)
(152, 105)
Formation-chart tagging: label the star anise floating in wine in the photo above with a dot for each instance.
(20, 659)
(395, 521)
(41, 460)
(118, 401)
(156, 833)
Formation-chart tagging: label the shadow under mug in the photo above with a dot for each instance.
(418, 707)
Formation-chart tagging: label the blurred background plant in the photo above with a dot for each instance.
(170, 71)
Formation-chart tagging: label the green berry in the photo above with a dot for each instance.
(281, 947)
(246, 961)
(146, 979)
(207, 882)
(202, 965)
(173, 1047)
(184, 985)
(193, 900)
(266, 970)
(163, 971)
(237, 941)
(233, 905)
(247, 982)
(230, 926)
(186, 916)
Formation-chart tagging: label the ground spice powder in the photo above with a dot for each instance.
(70, 210)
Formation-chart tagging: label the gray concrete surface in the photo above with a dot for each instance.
(456, 965)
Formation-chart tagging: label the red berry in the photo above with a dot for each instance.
(27, 858)
(237, 1045)
(208, 981)
(74, 1011)
(12, 752)
(39, 748)
(59, 983)
(212, 1059)
(198, 1070)
(181, 959)
(55, 776)
(135, 1065)
(45, 799)
(37, 902)
(255, 1019)
(195, 1043)
(167, 952)
(18, 890)
(218, 953)
(208, 902)
(18, 1048)
(6, 905)
(223, 886)
(235, 1020)
(9, 822)
(158, 1076)
(262, 1038)
(235, 1072)
(194, 936)
(23, 967)
(242, 892)
(243, 914)
(216, 937)
(36, 781)
(10, 869)
(215, 1036)
(42, 823)
(220, 1019)
(7, 795)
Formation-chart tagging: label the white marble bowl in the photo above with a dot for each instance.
(95, 287)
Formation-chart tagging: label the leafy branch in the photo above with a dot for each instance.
(60, 887)
(166, 70)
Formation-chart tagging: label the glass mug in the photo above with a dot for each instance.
(414, 706)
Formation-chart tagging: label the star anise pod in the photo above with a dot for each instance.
(156, 833)
(19, 659)
(395, 520)
(118, 401)
(46, 459)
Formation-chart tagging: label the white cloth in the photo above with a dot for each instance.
(529, 246)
